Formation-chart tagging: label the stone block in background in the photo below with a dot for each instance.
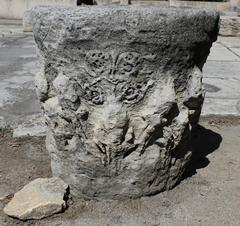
(229, 26)
(121, 87)
(27, 24)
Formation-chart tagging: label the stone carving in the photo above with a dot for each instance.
(116, 71)
(121, 88)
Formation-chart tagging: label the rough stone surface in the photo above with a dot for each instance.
(230, 26)
(120, 87)
(40, 198)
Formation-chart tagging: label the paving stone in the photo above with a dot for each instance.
(222, 69)
(219, 106)
(222, 54)
(229, 41)
(222, 88)
(236, 51)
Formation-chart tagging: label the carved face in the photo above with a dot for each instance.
(116, 102)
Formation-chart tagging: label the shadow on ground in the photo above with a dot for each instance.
(203, 142)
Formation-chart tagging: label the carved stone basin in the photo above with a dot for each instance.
(121, 88)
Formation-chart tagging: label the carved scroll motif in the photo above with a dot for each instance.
(119, 70)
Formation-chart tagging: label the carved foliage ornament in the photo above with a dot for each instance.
(122, 71)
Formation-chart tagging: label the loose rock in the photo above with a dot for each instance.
(40, 198)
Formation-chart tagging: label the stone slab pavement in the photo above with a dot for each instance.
(221, 78)
(19, 106)
(18, 66)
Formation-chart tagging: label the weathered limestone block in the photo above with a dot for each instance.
(40, 198)
(229, 26)
(120, 87)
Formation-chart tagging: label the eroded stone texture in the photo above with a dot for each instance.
(230, 26)
(120, 87)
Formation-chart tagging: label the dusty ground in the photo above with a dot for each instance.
(209, 194)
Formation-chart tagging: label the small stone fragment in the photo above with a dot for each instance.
(40, 198)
